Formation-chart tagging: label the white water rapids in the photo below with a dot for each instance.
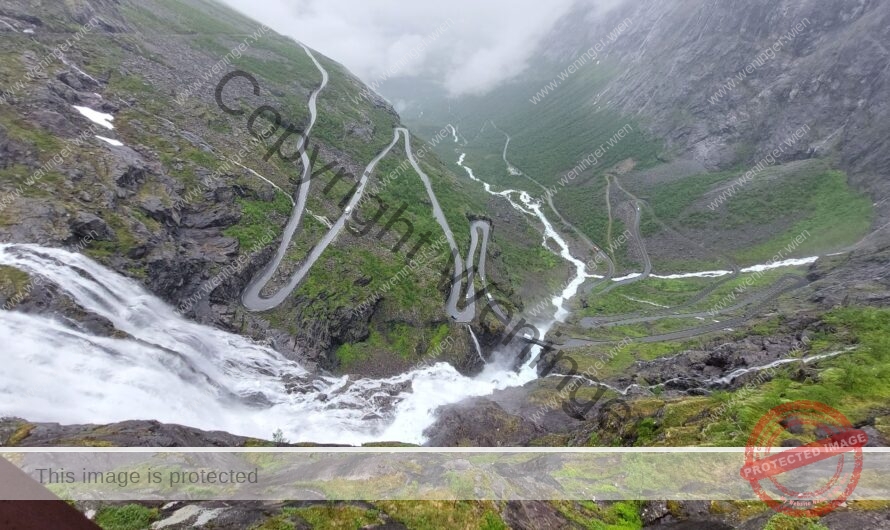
(533, 207)
(163, 367)
(174, 370)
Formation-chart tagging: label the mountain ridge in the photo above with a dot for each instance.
(174, 175)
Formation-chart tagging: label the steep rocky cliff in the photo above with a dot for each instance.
(188, 198)
(683, 100)
(780, 65)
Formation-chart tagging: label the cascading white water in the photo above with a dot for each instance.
(173, 370)
(532, 207)
(796, 262)
(732, 376)
(169, 369)
(476, 344)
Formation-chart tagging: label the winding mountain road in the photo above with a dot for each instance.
(252, 297)
(644, 254)
(461, 302)
(783, 285)
(461, 267)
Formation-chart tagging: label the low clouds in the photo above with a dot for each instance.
(483, 43)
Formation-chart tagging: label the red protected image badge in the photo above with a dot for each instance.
(799, 477)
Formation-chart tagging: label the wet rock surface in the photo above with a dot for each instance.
(134, 433)
(818, 77)
(163, 205)
(479, 422)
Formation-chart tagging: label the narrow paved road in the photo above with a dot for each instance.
(252, 298)
(785, 284)
(644, 254)
(461, 268)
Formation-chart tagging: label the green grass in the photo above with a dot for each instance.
(349, 354)
(258, 218)
(373, 257)
(329, 517)
(280, 72)
(436, 515)
(124, 243)
(130, 84)
(492, 521)
(524, 260)
(829, 208)
(644, 329)
(855, 383)
(677, 292)
(806, 197)
(655, 290)
(781, 521)
(624, 515)
(404, 338)
(645, 431)
(398, 339)
(551, 137)
(127, 517)
(439, 335)
(338, 114)
(13, 280)
(41, 186)
(192, 19)
(46, 144)
(671, 200)
(548, 139)
(603, 361)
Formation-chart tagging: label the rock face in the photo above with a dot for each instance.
(85, 225)
(529, 515)
(20, 433)
(170, 207)
(828, 70)
(480, 423)
(711, 368)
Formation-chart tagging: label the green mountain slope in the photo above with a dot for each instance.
(782, 131)
(194, 205)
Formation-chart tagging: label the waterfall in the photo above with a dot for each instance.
(160, 366)
(476, 343)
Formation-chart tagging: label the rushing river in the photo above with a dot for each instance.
(159, 365)
(162, 366)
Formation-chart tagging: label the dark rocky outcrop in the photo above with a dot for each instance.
(479, 422)
(137, 433)
(831, 75)
(87, 225)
